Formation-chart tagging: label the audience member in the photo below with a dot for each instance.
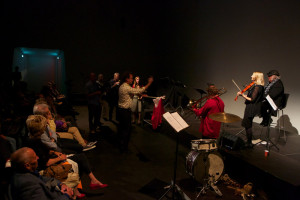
(113, 95)
(71, 133)
(49, 156)
(93, 100)
(27, 184)
(136, 107)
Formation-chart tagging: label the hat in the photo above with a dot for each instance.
(273, 72)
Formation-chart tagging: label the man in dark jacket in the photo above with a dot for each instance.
(27, 184)
(275, 90)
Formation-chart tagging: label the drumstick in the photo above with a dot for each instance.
(236, 85)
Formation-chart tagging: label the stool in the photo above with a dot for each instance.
(278, 116)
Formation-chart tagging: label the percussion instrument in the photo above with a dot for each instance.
(204, 144)
(199, 164)
(224, 117)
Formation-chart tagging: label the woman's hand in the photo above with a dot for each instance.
(65, 189)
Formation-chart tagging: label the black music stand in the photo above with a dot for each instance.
(268, 140)
(178, 124)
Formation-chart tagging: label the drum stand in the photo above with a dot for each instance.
(209, 181)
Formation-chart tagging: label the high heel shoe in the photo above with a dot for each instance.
(97, 186)
(80, 196)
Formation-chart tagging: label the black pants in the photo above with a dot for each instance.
(124, 128)
(69, 146)
(112, 105)
(83, 163)
(94, 116)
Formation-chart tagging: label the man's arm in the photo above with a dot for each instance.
(276, 90)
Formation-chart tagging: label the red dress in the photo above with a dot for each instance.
(208, 127)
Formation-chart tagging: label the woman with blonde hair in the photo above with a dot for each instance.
(43, 144)
(253, 104)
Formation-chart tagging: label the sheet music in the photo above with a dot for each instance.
(175, 121)
(271, 102)
(179, 119)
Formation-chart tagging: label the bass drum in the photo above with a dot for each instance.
(195, 165)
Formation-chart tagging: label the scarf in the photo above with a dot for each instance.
(267, 88)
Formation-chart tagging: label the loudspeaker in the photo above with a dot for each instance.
(231, 142)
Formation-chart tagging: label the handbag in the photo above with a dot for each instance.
(59, 171)
(73, 180)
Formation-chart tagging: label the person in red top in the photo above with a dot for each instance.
(209, 128)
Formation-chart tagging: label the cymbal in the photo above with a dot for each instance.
(224, 117)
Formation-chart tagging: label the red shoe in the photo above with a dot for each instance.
(97, 186)
(80, 196)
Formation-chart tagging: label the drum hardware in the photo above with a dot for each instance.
(209, 180)
(206, 167)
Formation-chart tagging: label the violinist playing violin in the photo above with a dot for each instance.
(253, 103)
(209, 128)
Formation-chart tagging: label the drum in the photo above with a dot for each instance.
(195, 165)
(204, 144)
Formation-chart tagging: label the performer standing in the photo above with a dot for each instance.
(208, 127)
(276, 91)
(124, 104)
(136, 107)
(253, 103)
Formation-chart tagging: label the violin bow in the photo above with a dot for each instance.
(236, 85)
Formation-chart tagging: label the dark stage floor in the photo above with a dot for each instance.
(143, 173)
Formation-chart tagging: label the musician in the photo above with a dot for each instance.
(275, 89)
(124, 104)
(208, 127)
(253, 104)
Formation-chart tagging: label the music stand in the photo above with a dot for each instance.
(178, 124)
(268, 140)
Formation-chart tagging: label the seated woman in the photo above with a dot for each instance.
(48, 155)
(71, 133)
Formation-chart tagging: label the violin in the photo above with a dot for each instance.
(245, 89)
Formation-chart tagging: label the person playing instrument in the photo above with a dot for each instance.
(253, 104)
(275, 90)
(208, 127)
